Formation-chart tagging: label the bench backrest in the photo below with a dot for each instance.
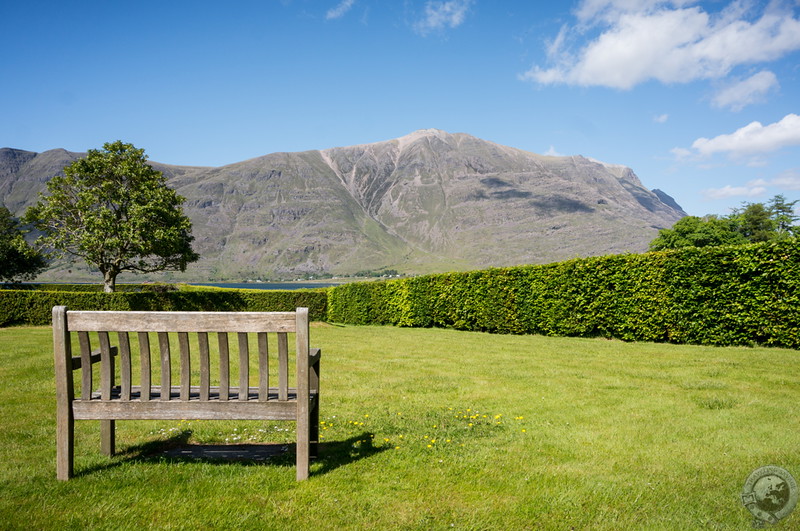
(121, 327)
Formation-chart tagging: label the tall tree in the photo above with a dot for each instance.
(116, 212)
(18, 260)
(754, 222)
(782, 211)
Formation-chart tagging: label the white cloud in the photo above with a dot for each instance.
(746, 92)
(726, 192)
(667, 42)
(441, 15)
(753, 138)
(661, 118)
(340, 10)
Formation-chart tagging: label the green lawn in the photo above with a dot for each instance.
(434, 429)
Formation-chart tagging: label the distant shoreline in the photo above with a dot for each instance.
(287, 285)
(268, 285)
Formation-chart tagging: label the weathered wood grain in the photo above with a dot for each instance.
(65, 423)
(205, 365)
(182, 321)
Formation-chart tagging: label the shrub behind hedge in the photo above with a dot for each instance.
(717, 296)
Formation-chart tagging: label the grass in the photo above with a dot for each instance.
(433, 429)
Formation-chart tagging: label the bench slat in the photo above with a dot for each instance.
(224, 366)
(106, 384)
(244, 364)
(263, 364)
(166, 368)
(181, 321)
(283, 367)
(205, 369)
(124, 364)
(86, 361)
(106, 365)
(144, 361)
(186, 372)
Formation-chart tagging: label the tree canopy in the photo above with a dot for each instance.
(754, 222)
(18, 260)
(116, 212)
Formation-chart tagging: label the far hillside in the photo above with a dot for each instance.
(428, 202)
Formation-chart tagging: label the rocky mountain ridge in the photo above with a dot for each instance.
(429, 201)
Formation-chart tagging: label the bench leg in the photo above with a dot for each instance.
(313, 450)
(314, 420)
(107, 437)
(65, 444)
(302, 450)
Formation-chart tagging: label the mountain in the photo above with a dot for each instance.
(429, 201)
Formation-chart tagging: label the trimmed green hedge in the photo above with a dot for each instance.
(97, 288)
(35, 307)
(739, 295)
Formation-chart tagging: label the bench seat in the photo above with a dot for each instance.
(193, 408)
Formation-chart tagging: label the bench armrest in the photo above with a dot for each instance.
(94, 358)
(314, 356)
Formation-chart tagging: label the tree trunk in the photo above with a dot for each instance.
(109, 281)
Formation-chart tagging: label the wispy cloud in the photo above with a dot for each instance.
(340, 10)
(441, 15)
(661, 118)
(743, 93)
(788, 180)
(667, 41)
(727, 192)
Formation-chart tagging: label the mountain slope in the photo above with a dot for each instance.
(429, 201)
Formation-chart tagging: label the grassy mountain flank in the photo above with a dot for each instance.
(430, 201)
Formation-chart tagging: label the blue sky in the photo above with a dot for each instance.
(701, 99)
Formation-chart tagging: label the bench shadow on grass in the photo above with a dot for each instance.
(331, 454)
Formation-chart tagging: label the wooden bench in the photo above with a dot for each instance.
(189, 400)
